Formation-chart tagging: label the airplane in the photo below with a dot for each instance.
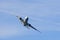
(25, 23)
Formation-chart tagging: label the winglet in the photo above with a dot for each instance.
(39, 31)
(17, 16)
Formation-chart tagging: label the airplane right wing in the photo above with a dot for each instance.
(33, 27)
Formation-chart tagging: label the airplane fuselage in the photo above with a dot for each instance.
(25, 23)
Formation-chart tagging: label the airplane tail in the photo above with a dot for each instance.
(26, 19)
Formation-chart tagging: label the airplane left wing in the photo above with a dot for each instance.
(20, 19)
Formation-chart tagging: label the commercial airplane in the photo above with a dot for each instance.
(25, 22)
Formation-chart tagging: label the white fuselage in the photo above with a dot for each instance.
(25, 21)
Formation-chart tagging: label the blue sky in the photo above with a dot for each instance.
(43, 15)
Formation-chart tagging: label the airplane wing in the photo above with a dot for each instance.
(33, 27)
(20, 19)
